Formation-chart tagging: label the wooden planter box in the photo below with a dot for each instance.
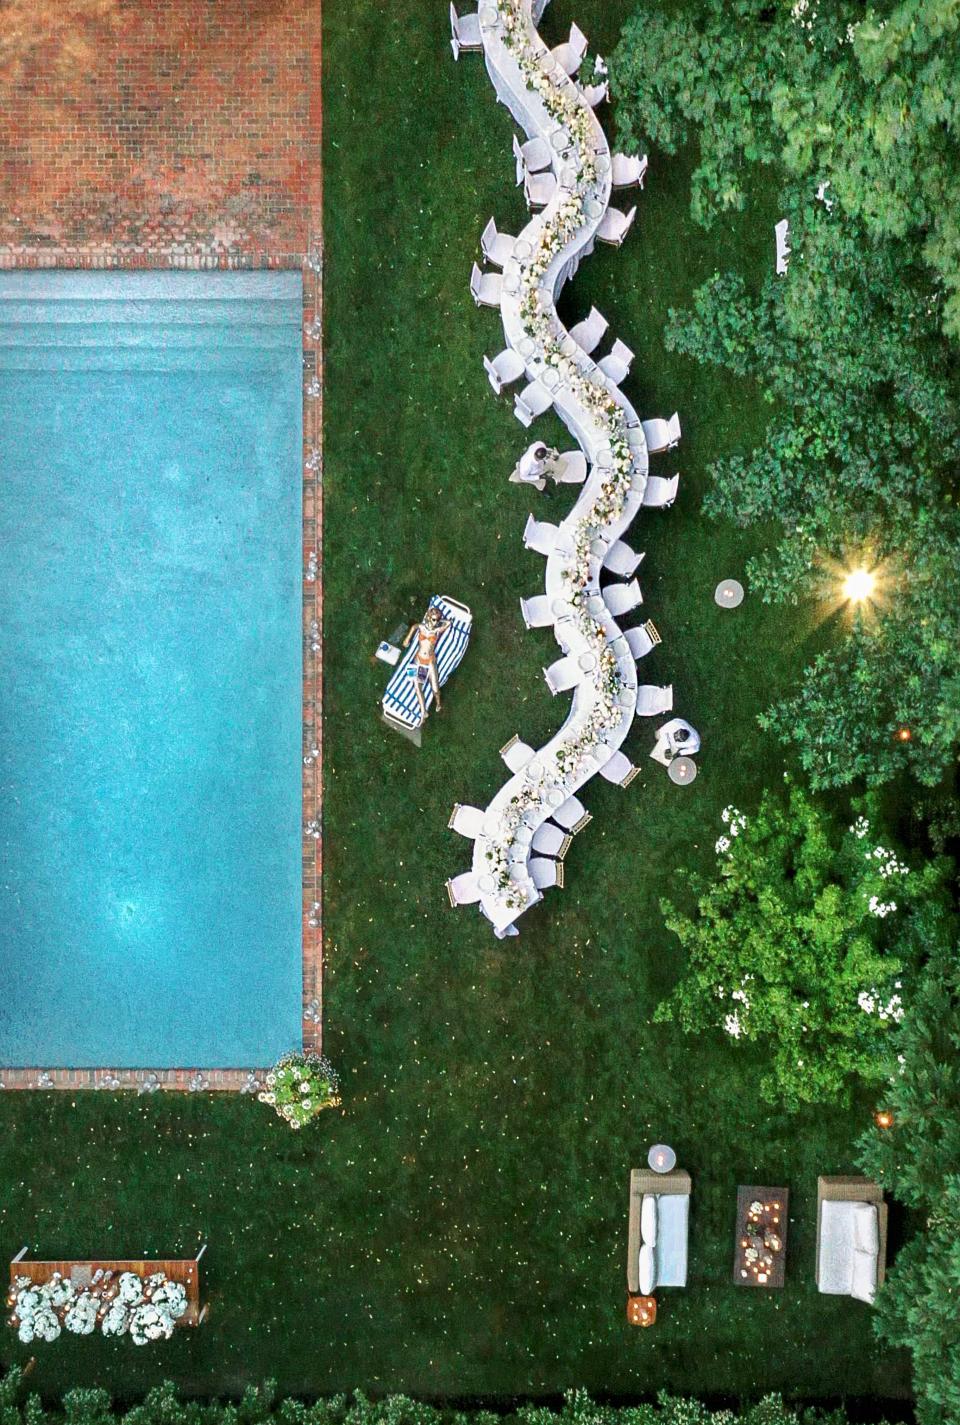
(185, 1270)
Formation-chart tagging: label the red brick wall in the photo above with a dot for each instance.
(158, 132)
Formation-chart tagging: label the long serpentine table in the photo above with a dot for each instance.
(543, 771)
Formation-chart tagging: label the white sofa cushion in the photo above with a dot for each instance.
(648, 1219)
(673, 1210)
(647, 1278)
(835, 1264)
(866, 1234)
(864, 1281)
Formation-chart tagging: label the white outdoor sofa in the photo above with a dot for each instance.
(658, 1230)
(851, 1237)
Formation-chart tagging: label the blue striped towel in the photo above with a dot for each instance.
(400, 700)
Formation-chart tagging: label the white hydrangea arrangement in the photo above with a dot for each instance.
(145, 1309)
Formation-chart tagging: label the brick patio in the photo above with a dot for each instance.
(179, 133)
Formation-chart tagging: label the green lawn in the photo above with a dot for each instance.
(459, 1229)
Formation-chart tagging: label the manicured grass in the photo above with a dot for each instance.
(460, 1229)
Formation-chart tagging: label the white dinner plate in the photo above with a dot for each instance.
(522, 249)
(598, 548)
(555, 797)
(526, 346)
(587, 661)
(487, 885)
(550, 377)
(560, 608)
(593, 208)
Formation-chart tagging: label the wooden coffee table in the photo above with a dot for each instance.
(760, 1255)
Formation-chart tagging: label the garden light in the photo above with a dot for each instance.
(859, 585)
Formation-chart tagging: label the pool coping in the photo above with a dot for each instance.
(246, 1078)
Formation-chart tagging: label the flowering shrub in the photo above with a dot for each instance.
(800, 945)
(145, 1309)
(300, 1086)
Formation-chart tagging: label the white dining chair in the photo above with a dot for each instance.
(549, 840)
(659, 493)
(588, 333)
(531, 402)
(496, 247)
(536, 611)
(572, 815)
(464, 32)
(505, 368)
(546, 873)
(662, 435)
(563, 675)
(570, 54)
(653, 700)
(485, 287)
(616, 364)
(594, 94)
(614, 226)
(622, 598)
(641, 640)
(464, 889)
(531, 157)
(621, 559)
(569, 468)
(468, 821)
(626, 169)
(619, 770)
(540, 536)
(515, 753)
(539, 189)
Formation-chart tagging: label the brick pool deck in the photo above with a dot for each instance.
(181, 134)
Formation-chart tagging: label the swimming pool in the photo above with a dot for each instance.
(150, 668)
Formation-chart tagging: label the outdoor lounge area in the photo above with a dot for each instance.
(478, 753)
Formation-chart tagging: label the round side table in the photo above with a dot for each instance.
(662, 1158)
(682, 770)
(729, 594)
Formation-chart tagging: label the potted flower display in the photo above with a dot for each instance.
(300, 1086)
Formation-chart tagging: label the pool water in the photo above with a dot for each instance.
(150, 668)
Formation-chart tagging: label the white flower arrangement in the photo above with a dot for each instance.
(145, 1310)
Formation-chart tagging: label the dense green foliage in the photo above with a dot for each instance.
(260, 1406)
(857, 460)
(799, 944)
(868, 103)
(919, 1161)
(858, 467)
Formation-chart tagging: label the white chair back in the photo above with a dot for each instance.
(468, 821)
(536, 611)
(546, 873)
(463, 889)
(621, 598)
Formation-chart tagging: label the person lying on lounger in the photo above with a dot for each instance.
(423, 669)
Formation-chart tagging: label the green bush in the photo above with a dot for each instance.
(162, 1406)
(918, 1160)
(802, 943)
